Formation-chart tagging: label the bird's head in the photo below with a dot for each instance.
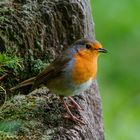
(88, 47)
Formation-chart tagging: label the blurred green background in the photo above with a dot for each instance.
(117, 25)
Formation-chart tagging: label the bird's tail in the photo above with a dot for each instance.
(23, 84)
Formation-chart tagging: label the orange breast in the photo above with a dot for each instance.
(84, 68)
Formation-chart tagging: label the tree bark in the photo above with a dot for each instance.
(38, 31)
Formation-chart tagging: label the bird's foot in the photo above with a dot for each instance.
(75, 119)
(71, 116)
(75, 105)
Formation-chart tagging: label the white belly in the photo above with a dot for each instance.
(83, 87)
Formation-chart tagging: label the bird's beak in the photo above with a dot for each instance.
(102, 50)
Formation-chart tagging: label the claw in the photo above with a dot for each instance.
(71, 116)
(75, 119)
(75, 104)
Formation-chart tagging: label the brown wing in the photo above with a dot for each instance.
(52, 71)
(27, 82)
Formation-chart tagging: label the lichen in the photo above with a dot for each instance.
(30, 115)
(22, 34)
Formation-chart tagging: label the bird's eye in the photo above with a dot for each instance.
(88, 46)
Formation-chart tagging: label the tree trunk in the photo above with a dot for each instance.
(38, 31)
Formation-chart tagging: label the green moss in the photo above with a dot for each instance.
(9, 65)
(7, 136)
(37, 66)
(8, 61)
(10, 126)
(21, 34)
(30, 115)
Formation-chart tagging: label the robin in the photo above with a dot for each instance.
(70, 73)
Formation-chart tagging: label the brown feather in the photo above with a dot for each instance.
(24, 83)
(52, 71)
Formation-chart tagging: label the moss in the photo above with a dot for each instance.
(37, 66)
(49, 134)
(20, 1)
(8, 61)
(10, 126)
(10, 66)
(7, 136)
(22, 34)
(34, 114)
(31, 31)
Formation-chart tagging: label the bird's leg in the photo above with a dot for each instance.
(75, 104)
(71, 117)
